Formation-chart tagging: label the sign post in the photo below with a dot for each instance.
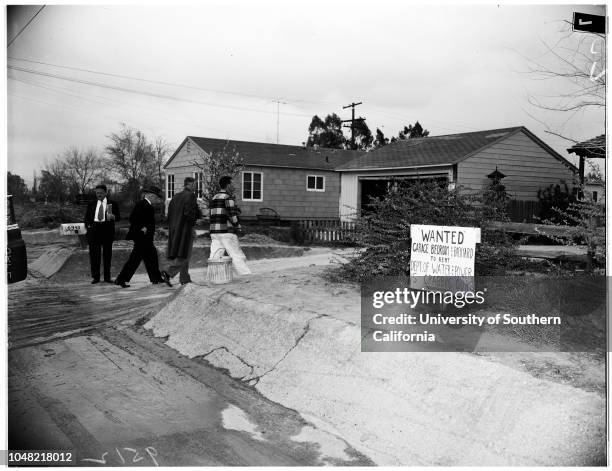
(77, 229)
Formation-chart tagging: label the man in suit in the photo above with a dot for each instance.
(100, 219)
(142, 230)
(183, 212)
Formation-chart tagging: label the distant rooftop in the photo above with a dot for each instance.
(436, 150)
(276, 155)
(592, 149)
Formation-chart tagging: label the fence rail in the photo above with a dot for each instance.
(321, 230)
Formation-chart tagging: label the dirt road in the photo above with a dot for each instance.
(85, 377)
(268, 371)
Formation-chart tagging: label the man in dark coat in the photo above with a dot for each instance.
(100, 219)
(183, 212)
(142, 230)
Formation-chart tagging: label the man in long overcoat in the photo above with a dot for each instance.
(183, 212)
(142, 232)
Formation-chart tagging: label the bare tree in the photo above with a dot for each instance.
(132, 159)
(131, 154)
(216, 164)
(161, 149)
(577, 64)
(83, 168)
(54, 181)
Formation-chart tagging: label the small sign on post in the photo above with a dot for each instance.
(77, 228)
(442, 257)
(589, 23)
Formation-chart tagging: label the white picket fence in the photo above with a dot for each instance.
(322, 230)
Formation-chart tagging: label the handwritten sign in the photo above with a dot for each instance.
(442, 257)
(77, 228)
(126, 456)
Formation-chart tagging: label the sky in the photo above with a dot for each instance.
(258, 71)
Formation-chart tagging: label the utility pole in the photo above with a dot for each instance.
(352, 121)
(278, 103)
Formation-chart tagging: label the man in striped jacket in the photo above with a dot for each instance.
(225, 227)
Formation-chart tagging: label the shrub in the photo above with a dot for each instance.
(51, 215)
(383, 233)
(553, 198)
(585, 224)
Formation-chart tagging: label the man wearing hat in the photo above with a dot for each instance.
(142, 230)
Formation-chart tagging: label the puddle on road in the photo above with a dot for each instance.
(331, 447)
(235, 418)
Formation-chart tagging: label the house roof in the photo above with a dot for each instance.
(438, 150)
(276, 155)
(593, 148)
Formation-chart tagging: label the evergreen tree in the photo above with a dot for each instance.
(363, 136)
(326, 133)
(412, 132)
(15, 185)
(380, 140)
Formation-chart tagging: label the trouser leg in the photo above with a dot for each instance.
(216, 245)
(232, 246)
(95, 249)
(184, 273)
(174, 266)
(107, 247)
(151, 262)
(131, 265)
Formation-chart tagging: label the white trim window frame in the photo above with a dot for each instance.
(315, 186)
(170, 186)
(199, 183)
(249, 188)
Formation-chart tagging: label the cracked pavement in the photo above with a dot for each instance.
(295, 338)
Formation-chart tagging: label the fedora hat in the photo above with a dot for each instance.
(154, 190)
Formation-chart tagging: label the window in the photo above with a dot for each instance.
(199, 183)
(252, 186)
(315, 183)
(595, 196)
(170, 186)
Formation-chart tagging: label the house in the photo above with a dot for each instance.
(594, 148)
(595, 191)
(295, 181)
(316, 183)
(463, 160)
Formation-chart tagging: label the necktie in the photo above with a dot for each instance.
(101, 212)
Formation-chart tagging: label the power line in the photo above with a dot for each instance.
(161, 82)
(81, 110)
(26, 25)
(379, 110)
(138, 92)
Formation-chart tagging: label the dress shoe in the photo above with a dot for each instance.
(122, 284)
(94, 281)
(166, 278)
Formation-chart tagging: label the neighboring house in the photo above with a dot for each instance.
(463, 160)
(594, 148)
(595, 191)
(297, 182)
